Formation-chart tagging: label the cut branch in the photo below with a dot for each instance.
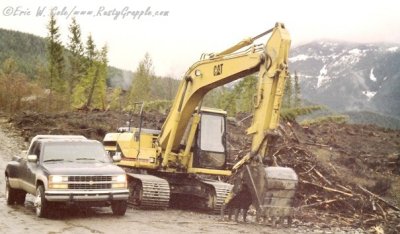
(318, 203)
(327, 188)
(379, 198)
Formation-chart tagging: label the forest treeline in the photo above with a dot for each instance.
(46, 75)
(43, 74)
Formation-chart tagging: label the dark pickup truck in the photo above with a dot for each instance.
(63, 170)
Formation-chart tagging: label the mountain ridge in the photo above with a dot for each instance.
(349, 76)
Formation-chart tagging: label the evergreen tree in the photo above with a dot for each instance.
(90, 91)
(238, 99)
(226, 100)
(115, 102)
(140, 89)
(75, 46)
(41, 75)
(287, 96)
(90, 52)
(245, 92)
(297, 100)
(81, 92)
(97, 90)
(55, 58)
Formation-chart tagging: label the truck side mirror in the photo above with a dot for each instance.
(32, 158)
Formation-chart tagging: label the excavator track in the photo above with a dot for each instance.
(221, 191)
(149, 192)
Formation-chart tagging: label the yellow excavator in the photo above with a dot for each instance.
(178, 160)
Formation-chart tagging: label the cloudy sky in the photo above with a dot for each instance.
(190, 28)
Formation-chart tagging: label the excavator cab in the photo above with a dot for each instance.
(210, 147)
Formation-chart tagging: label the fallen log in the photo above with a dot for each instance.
(379, 198)
(327, 188)
(306, 172)
(323, 177)
(341, 186)
(336, 172)
(318, 203)
(294, 133)
(383, 211)
(316, 144)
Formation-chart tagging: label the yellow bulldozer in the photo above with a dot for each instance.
(179, 160)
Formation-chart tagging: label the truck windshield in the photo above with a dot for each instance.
(74, 151)
(212, 133)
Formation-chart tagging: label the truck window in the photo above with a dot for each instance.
(74, 151)
(32, 149)
(35, 149)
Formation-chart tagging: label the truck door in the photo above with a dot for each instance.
(31, 167)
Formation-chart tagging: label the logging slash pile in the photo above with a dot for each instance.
(348, 174)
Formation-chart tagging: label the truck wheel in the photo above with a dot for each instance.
(10, 193)
(20, 198)
(119, 207)
(42, 206)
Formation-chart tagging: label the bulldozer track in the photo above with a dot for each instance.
(221, 191)
(155, 192)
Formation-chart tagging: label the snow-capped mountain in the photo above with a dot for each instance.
(349, 76)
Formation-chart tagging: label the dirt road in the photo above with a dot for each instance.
(22, 219)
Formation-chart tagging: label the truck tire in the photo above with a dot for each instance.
(41, 205)
(10, 193)
(119, 207)
(20, 198)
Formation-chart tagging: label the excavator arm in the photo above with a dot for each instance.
(221, 68)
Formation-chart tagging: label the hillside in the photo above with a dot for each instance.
(366, 117)
(29, 52)
(354, 117)
(350, 76)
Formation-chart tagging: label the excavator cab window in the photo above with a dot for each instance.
(211, 142)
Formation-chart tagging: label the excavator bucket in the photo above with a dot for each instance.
(270, 190)
(281, 183)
